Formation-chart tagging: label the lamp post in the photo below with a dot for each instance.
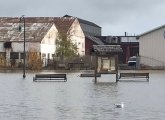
(22, 18)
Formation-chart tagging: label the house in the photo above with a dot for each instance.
(152, 46)
(71, 26)
(40, 36)
(36, 36)
(90, 30)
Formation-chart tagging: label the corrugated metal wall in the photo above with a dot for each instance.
(152, 48)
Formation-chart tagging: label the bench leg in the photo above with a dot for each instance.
(147, 79)
(34, 79)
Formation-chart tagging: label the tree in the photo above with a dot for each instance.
(34, 60)
(65, 46)
(2, 60)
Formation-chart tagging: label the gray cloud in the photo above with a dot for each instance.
(114, 16)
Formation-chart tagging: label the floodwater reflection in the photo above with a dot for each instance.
(81, 99)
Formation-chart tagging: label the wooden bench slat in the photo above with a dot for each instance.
(50, 77)
(134, 75)
(90, 75)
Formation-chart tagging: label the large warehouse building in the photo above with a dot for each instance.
(152, 48)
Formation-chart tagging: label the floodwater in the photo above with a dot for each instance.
(81, 99)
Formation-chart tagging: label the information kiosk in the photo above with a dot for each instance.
(106, 59)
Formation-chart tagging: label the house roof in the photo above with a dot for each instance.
(94, 39)
(106, 49)
(157, 28)
(88, 22)
(84, 21)
(36, 27)
(63, 24)
(35, 31)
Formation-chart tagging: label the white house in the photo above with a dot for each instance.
(40, 36)
(77, 37)
(152, 47)
(48, 46)
(71, 26)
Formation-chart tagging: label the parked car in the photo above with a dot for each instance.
(132, 61)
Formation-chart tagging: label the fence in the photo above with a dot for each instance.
(151, 63)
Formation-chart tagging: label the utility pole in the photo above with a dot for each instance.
(22, 18)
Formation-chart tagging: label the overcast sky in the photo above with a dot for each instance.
(114, 16)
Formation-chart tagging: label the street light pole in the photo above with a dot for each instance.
(24, 53)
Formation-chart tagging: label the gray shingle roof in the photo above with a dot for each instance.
(36, 27)
(84, 21)
(9, 31)
(63, 24)
(95, 40)
(107, 49)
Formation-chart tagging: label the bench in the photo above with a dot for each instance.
(134, 75)
(90, 75)
(56, 77)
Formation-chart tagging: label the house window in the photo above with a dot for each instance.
(48, 55)
(14, 55)
(82, 45)
(7, 45)
(53, 55)
(43, 55)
